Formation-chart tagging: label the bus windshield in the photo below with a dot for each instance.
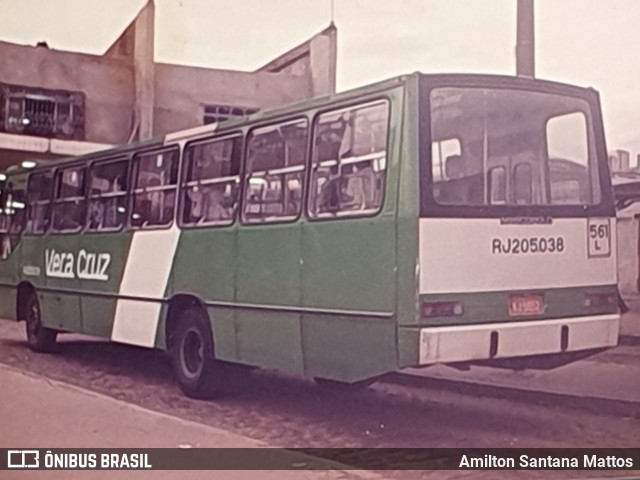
(511, 148)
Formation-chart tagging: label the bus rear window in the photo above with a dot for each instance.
(511, 148)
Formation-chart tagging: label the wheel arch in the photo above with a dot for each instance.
(177, 304)
(24, 290)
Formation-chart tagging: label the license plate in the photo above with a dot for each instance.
(520, 305)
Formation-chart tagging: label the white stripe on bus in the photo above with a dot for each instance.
(146, 274)
(191, 133)
(456, 256)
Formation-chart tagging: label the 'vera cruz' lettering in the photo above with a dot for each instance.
(59, 264)
(93, 266)
(86, 266)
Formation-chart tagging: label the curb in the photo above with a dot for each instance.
(594, 405)
(629, 340)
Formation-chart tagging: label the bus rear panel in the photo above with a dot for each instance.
(516, 235)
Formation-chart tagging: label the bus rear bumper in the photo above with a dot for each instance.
(468, 343)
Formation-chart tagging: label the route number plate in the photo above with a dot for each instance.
(598, 237)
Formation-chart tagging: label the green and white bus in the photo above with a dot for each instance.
(421, 220)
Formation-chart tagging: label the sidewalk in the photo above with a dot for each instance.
(41, 413)
(630, 325)
(584, 378)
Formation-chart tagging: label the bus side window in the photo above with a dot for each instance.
(69, 202)
(39, 193)
(349, 161)
(6, 199)
(275, 172)
(210, 182)
(107, 195)
(12, 214)
(154, 188)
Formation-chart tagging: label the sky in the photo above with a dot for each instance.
(593, 43)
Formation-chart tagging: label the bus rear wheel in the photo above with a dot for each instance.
(39, 338)
(196, 370)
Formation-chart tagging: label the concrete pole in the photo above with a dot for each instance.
(144, 70)
(525, 47)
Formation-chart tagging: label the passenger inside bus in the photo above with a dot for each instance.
(212, 203)
(96, 215)
(105, 211)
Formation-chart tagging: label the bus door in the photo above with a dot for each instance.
(12, 212)
(103, 245)
(350, 244)
(60, 301)
(269, 245)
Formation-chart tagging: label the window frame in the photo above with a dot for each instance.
(133, 190)
(126, 194)
(219, 117)
(352, 105)
(10, 234)
(49, 201)
(74, 102)
(182, 183)
(593, 177)
(58, 172)
(300, 116)
(429, 208)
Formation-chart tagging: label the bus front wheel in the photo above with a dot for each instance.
(39, 338)
(192, 356)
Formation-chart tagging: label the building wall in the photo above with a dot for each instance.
(314, 61)
(181, 92)
(107, 84)
(129, 97)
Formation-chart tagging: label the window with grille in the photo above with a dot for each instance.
(42, 112)
(220, 113)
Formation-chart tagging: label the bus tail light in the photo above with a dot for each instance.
(441, 309)
(600, 299)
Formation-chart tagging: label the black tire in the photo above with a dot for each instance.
(338, 386)
(192, 355)
(39, 338)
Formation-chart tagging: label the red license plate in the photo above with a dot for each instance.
(525, 305)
